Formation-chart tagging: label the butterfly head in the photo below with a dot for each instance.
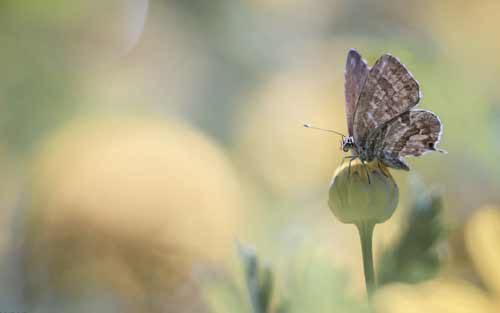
(347, 144)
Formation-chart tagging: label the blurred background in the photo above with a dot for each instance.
(141, 140)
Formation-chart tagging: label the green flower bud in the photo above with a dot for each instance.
(355, 199)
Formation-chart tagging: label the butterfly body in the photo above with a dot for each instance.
(382, 122)
(365, 154)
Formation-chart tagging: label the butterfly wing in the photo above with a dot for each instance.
(356, 72)
(388, 91)
(412, 133)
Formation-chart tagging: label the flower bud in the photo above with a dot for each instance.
(355, 198)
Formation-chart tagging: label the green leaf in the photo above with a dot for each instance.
(259, 281)
(413, 256)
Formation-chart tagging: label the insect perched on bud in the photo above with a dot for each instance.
(383, 127)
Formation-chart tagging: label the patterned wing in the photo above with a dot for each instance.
(389, 90)
(412, 133)
(356, 72)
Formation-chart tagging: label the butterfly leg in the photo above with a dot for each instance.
(343, 160)
(366, 170)
(350, 161)
(381, 170)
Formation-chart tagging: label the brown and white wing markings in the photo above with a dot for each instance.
(412, 133)
(356, 71)
(388, 91)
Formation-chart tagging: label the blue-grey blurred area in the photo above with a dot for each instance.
(140, 140)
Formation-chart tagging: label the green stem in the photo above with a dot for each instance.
(365, 230)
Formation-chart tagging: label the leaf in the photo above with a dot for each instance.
(413, 257)
(259, 281)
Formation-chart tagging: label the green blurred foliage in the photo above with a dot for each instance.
(259, 280)
(311, 285)
(413, 256)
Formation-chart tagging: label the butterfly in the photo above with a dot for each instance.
(382, 121)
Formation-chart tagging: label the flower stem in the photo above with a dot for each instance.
(365, 230)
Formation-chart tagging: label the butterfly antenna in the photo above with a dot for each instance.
(323, 129)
